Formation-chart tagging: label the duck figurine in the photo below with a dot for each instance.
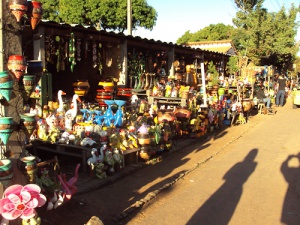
(71, 114)
(60, 110)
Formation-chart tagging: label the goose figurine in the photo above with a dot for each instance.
(71, 114)
(60, 110)
(93, 160)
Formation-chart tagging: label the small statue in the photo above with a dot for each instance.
(100, 170)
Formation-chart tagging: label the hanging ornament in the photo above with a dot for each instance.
(72, 50)
(18, 8)
(35, 13)
(95, 63)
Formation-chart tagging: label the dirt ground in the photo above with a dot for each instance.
(121, 199)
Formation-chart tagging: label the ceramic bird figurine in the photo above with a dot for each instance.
(71, 114)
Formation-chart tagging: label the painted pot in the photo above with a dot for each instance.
(5, 169)
(107, 85)
(35, 67)
(29, 122)
(28, 166)
(6, 128)
(36, 13)
(145, 153)
(246, 104)
(18, 8)
(17, 65)
(6, 85)
(81, 87)
(29, 83)
(103, 95)
(144, 139)
(221, 91)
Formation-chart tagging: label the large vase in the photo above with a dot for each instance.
(17, 65)
(81, 87)
(18, 8)
(6, 85)
(6, 128)
(29, 122)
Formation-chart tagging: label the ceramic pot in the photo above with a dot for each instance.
(35, 67)
(6, 85)
(145, 153)
(144, 139)
(28, 166)
(81, 87)
(246, 104)
(18, 8)
(17, 65)
(36, 13)
(5, 169)
(221, 91)
(103, 95)
(107, 85)
(29, 83)
(6, 128)
(29, 122)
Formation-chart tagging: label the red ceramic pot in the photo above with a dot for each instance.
(18, 8)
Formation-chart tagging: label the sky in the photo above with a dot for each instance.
(175, 17)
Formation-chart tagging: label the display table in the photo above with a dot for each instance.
(128, 151)
(84, 153)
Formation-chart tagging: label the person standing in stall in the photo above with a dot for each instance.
(280, 95)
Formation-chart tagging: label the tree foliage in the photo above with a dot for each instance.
(213, 32)
(109, 14)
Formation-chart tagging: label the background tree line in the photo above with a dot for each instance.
(266, 38)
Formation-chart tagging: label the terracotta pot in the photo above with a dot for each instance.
(81, 87)
(107, 85)
(165, 115)
(103, 95)
(5, 169)
(145, 153)
(36, 13)
(246, 104)
(17, 65)
(18, 8)
(144, 139)
(29, 83)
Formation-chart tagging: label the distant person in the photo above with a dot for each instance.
(263, 96)
(280, 95)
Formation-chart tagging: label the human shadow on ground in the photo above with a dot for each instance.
(219, 208)
(290, 169)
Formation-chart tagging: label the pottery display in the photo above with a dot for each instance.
(103, 95)
(81, 87)
(28, 166)
(36, 13)
(29, 83)
(35, 67)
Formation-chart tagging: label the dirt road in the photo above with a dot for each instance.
(238, 177)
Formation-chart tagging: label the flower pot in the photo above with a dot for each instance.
(29, 122)
(17, 65)
(6, 85)
(28, 166)
(6, 128)
(29, 84)
(35, 67)
(144, 139)
(18, 8)
(81, 87)
(36, 13)
(5, 169)
(103, 95)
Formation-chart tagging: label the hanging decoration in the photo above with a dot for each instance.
(36, 13)
(95, 56)
(72, 50)
(17, 65)
(18, 8)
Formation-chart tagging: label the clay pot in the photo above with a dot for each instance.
(6, 128)
(29, 122)
(36, 13)
(29, 83)
(81, 87)
(144, 139)
(165, 115)
(18, 8)
(103, 95)
(145, 153)
(246, 104)
(17, 65)
(35, 67)
(107, 85)
(6, 85)
(5, 169)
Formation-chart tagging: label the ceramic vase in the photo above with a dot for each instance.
(6, 172)
(17, 65)
(18, 8)
(6, 85)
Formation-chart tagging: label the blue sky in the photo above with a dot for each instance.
(175, 17)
